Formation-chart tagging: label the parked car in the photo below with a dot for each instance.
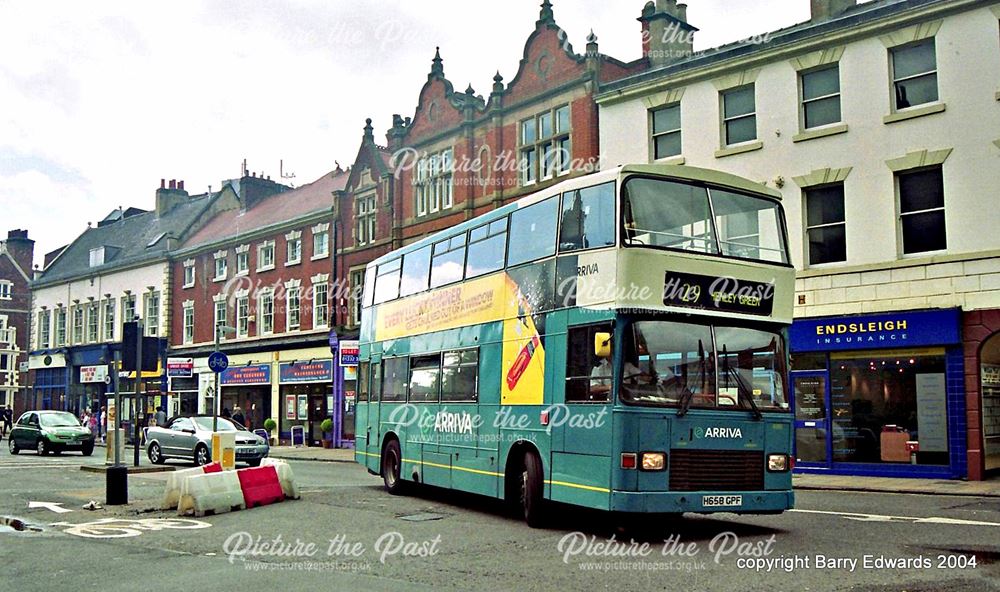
(190, 438)
(50, 431)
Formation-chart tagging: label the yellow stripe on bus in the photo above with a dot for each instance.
(491, 473)
(440, 466)
(578, 486)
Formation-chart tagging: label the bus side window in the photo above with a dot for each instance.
(363, 381)
(459, 376)
(448, 261)
(588, 377)
(376, 390)
(395, 379)
(588, 218)
(533, 232)
(387, 282)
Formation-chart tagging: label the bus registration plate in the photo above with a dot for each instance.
(721, 501)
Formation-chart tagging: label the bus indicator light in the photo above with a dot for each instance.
(628, 460)
(545, 417)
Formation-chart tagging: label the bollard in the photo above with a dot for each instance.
(117, 486)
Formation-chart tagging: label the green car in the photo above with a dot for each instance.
(50, 431)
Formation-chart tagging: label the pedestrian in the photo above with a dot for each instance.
(161, 417)
(226, 413)
(85, 419)
(3, 421)
(8, 420)
(238, 416)
(102, 422)
(92, 424)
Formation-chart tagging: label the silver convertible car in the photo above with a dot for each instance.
(190, 438)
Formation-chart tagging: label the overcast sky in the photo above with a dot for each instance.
(100, 100)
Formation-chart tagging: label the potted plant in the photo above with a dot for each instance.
(326, 427)
(269, 425)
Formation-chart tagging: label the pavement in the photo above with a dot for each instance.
(312, 453)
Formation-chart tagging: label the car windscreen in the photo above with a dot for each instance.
(58, 420)
(205, 424)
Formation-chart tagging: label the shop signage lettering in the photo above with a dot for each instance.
(904, 329)
(319, 371)
(180, 367)
(256, 374)
(717, 293)
(350, 351)
(91, 374)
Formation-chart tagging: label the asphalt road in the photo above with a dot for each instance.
(363, 539)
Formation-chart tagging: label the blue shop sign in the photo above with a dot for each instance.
(256, 374)
(879, 331)
(315, 371)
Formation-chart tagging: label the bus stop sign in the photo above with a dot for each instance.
(218, 362)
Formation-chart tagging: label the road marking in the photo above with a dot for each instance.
(54, 506)
(114, 528)
(886, 518)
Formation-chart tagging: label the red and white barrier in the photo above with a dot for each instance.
(260, 486)
(175, 481)
(211, 492)
(285, 477)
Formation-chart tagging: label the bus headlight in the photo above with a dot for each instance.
(654, 461)
(777, 462)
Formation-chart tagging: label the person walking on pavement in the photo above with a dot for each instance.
(8, 420)
(3, 421)
(161, 417)
(238, 416)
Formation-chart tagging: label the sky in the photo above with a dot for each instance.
(99, 100)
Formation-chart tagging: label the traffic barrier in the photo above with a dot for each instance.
(175, 481)
(213, 467)
(260, 486)
(285, 477)
(212, 492)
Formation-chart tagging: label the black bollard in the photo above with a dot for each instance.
(117, 486)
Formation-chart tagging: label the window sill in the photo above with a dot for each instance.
(291, 263)
(219, 279)
(318, 257)
(242, 273)
(739, 148)
(267, 268)
(185, 286)
(820, 132)
(676, 160)
(913, 112)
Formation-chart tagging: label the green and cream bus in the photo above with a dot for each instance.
(615, 341)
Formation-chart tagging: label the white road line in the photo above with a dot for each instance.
(886, 518)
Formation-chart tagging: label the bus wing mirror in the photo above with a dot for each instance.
(602, 345)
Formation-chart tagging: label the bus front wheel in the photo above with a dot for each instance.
(392, 468)
(531, 489)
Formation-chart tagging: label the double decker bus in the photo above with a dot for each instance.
(616, 341)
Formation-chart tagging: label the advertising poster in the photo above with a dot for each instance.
(932, 417)
(290, 407)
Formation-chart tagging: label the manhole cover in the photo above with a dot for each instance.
(10, 524)
(422, 517)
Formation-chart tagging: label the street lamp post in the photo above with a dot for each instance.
(219, 330)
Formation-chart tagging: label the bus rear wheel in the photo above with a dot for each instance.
(392, 468)
(532, 485)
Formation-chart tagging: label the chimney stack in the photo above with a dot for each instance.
(170, 197)
(821, 10)
(666, 35)
(21, 248)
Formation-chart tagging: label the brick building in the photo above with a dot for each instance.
(264, 266)
(16, 254)
(461, 154)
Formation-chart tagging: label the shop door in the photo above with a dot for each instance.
(810, 399)
(317, 413)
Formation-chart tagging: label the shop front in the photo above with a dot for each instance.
(246, 391)
(50, 380)
(880, 394)
(90, 379)
(307, 398)
(981, 333)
